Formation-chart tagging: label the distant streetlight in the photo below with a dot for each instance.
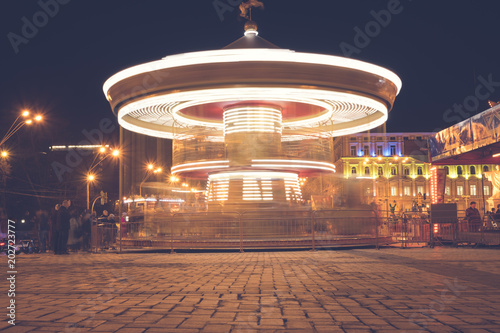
(90, 179)
(4, 153)
(174, 179)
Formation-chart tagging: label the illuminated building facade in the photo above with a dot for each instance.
(252, 118)
(388, 167)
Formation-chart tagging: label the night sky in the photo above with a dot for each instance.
(442, 50)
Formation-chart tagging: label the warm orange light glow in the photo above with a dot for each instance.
(116, 152)
(102, 150)
(159, 170)
(4, 154)
(90, 178)
(184, 185)
(38, 118)
(29, 121)
(380, 158)
(174, 179)
(150, 166)
(25, 113)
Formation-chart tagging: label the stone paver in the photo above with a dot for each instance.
(351, 290)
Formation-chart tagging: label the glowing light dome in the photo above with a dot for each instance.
(251, 118)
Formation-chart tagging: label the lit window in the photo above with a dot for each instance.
(486, 191)
(394, 171)
(380, 151)
(420, 189)
(353, 151)
(459, 170)
(447, 170)
(460, 190)
(473, 190)
(394, 191)
(366, 151)
(407, 190)
(472, 170)
(447, 190)
(419, 171)
(407, 171)
(353, 170)
(380, 171)
(367, 171)
(486, 169)
(393, 150)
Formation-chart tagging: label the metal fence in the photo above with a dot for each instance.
(246, 230)
(287, 229)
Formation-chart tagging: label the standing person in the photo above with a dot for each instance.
(86, 230)
(43, 229)
(74, 235)
(497, 213)
(63, 225)
(123, 225)
(473, 216)
(54, 229)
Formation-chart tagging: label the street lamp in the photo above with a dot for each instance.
(102, 151)
(90, 178)
(150, 170)
(4, 153)
(17, 124)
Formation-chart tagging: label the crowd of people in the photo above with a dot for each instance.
(65, 229)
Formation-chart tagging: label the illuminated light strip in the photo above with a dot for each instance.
(198, 163)
(252, 129)
(252, 119)
(172, 200)
(308, 96)
(253, 174)
(261, 116)
(199, 168)
(296, 161)
(291, 166)
(251, 55)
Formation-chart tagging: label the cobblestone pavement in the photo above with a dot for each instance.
(354, 290)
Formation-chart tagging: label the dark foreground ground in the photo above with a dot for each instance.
(355, 290)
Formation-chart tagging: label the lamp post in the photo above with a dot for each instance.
(102, 150)
(150, 170)
(90, 178)
(17, 125)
